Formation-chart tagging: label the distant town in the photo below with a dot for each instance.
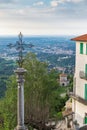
(58, 52)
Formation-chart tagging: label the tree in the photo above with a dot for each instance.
(8, 105)
(36, 92)
(42, 97)
(36, 96)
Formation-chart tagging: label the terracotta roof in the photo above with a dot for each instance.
(80, 38)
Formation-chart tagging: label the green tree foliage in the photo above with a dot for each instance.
(6, 70)
(42, 96)
(8, 105)
(70, 86)
(36, 90)
(36, 95)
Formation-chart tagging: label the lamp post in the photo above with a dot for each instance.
(20, 71)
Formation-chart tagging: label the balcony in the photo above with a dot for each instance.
(78, 98)
(83, 75)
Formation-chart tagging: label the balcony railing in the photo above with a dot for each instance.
(83, 75)
(78, 98)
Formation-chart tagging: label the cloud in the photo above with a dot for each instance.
(57, 2)
(29, 17)
(39, 3)
(70, 1)
(76, 1)
(54, 3)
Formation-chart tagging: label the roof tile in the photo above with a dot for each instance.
(80, 38)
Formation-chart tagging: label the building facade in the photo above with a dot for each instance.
(79, 95)
(63, 80)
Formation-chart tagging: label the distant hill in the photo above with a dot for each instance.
(57, 51)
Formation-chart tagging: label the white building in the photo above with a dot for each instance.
(63, 80)
(79, 95)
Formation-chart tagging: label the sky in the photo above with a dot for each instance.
(43, 17)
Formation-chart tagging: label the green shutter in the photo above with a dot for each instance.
(85, 91)
(86, 120)
(81, 48)
(86, 49)
(85, 70)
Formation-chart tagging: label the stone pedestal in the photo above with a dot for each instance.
(20, 101)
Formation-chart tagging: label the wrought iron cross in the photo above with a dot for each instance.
(20, 46)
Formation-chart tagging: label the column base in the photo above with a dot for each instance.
(21, 128)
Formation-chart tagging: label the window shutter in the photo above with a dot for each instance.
(86, 120)
(85, 70)
(85, 91)
(86, 49)
(81, 48)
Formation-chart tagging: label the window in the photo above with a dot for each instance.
(85, 91)
(86, 49)
(85, 70)
(81, 48)
(85, 119)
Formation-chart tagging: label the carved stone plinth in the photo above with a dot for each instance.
(21, 128)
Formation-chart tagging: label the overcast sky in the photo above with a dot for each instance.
(43, 17)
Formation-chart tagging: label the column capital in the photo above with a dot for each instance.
(20, 71)
(20, 75)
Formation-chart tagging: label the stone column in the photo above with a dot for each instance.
(20, 101)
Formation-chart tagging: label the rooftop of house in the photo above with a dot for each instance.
(80, 38)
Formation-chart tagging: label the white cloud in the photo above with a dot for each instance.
(54, 3)
(57, 2)
(39, 3)
(28, 17)
(76, 1)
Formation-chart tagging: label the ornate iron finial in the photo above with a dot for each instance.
(20, 46)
